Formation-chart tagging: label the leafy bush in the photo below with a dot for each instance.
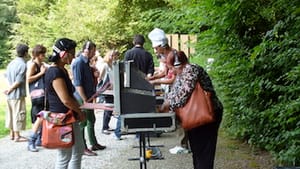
(255, 45)
(258, 74)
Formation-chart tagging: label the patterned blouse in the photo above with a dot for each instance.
(185, 83)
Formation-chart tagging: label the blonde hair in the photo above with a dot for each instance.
(110, 55)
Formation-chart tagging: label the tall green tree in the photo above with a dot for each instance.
(7, 19)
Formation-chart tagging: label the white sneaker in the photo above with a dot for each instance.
(118, 138)
(178, 150)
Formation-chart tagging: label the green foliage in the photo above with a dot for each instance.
(254, 44)
(279, 90)
(256, 68)
(258, 73)
(7, 18)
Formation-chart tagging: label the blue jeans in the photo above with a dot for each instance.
(118, 127)
(106, 119)
(107, 114)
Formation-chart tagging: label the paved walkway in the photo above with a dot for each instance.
(115, 156)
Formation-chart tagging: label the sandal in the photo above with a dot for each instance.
(21, 139)
(12, 137)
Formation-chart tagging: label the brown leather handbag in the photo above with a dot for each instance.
(198, 110)
(57, 130)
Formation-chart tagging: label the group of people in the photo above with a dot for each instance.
(67, 91)
(179, 78)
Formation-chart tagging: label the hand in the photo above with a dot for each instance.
(81, 117)
(43, 69)
(149, 77)
(152, 81)
(6, 92)
(164, 108)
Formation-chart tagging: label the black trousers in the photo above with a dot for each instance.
(107, 114)
(35, 109)
(203, 141)
(106, 119)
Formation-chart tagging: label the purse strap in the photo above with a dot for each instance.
(45, 99)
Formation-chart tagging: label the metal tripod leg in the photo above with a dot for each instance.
(143, 151)
(142, 147)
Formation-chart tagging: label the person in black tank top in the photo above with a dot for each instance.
(59, 93)
(35, 78)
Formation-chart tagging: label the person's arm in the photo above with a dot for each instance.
(163, 80)
(127, 56)
(69, 101)
(78, 75)
(31, 73)
(12, 87)
(20, 78)
(165, 107)
(81, 92)
(183, 87)
(160, 74)
(151, 66)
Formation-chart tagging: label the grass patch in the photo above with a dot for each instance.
(236, 154)
(3, 85)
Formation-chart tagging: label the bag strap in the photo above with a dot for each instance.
(45, 99)
(45, 89)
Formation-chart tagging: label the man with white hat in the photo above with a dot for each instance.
(158, 37)
(166, 78)
(162, 50)
(159, 42)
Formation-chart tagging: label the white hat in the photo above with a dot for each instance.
(158, 37)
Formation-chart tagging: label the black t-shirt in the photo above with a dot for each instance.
(55, 104)
(142, 59)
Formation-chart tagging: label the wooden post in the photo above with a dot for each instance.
(184, 39)
(175, 41)
(193, 40)
(183, 42)
(169, 39)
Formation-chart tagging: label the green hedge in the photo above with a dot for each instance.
(255, 44)
(258, 75)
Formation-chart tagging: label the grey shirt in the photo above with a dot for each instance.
(16, 72)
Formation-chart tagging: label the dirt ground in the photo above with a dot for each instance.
(231, 154)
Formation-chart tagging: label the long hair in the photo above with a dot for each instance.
(108, 58)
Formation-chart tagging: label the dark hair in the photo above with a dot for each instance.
(63, 44)
(88, 45)
(22, 49)
(38, 49)
(139, 39)
(182, 58)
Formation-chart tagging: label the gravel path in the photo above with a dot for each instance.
(230, 154)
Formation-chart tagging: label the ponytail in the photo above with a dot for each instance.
(61, 45)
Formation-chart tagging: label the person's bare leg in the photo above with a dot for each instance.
(33, 136)
(12, 134)
(37, 124)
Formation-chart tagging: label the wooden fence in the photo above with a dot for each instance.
(183, 42)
